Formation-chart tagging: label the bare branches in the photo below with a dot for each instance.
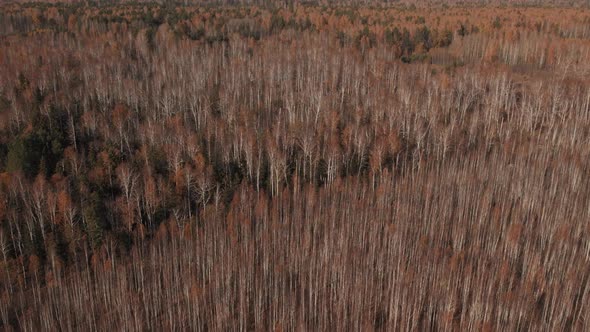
(304, 168)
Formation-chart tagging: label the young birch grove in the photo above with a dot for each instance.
(294, 167)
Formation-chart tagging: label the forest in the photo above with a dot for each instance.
(299, 166)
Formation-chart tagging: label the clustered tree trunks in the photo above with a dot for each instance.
(313, 169)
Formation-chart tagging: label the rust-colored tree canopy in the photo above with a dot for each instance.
(295, 166)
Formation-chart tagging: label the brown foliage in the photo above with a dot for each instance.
(241, 168)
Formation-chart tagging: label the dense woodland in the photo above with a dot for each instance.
(297, 167)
